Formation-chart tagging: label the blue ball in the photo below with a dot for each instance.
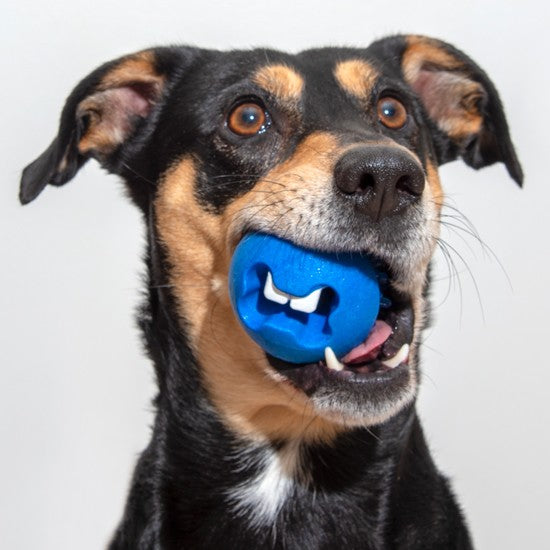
(295, 302)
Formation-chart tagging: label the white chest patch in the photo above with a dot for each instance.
(261, 498)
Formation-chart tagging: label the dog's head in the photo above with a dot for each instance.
(333, 149)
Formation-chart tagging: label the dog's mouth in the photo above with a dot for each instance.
(381, 357)
(333, 325)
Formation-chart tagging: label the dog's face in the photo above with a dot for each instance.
(334, 150)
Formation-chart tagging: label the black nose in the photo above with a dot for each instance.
(380, 180)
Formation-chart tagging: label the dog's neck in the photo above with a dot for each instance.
(206, 471)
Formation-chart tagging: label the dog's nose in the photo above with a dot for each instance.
(381, 180)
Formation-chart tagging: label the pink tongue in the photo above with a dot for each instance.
(368, 350)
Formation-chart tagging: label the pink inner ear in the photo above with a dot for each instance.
(112, 115)
(438, 91)
(122, 106)
(449, 97)
(132, 100)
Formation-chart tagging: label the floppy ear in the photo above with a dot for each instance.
(460, 100)
(112, 109)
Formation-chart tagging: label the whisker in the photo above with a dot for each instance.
(473, 279)
(457, 222)
(231, 179)
(453, 273)
(260, 207)
(140, 176)
(487, 250)
(455, 228)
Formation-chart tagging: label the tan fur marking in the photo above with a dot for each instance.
(435, 184)
(247, 392)
(108, 125)
(139, 67)
(457, 113)
(356, 76)
(423, 50)
(110, 119)
(193, 240)
(460, 129)
(281, 81)
(451, 96)
(305, 172)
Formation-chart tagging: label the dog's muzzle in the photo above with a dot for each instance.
(379, 180)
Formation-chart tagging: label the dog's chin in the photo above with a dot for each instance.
(370, 383)
(351, 397)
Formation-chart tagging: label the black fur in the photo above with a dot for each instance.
(373, 488)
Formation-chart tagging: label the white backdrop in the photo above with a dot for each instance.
(75, 389)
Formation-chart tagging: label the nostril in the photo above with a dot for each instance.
(412, 184)
(404, 183)
(367, 181)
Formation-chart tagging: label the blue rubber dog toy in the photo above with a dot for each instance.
(295, 302)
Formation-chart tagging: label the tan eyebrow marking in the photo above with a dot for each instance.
(281, 81)
(356, 76)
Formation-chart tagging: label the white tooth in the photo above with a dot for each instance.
(307, 304)
(398, 358)
(331, 360)
(271, 292)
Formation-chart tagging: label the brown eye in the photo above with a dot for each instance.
(247, 119)
(392, 113)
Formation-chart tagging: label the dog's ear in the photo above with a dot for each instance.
(113, 108)
(458, 97)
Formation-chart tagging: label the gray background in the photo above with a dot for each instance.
(75, 389)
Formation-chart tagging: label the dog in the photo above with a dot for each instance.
(335, 150)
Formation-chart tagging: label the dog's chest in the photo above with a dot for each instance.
(260, 498)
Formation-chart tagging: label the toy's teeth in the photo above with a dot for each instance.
(307, 304)
(398, 358)
(332, 361)
(272, 293)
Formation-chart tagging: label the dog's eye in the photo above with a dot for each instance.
(391, 113)
(248, 119)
